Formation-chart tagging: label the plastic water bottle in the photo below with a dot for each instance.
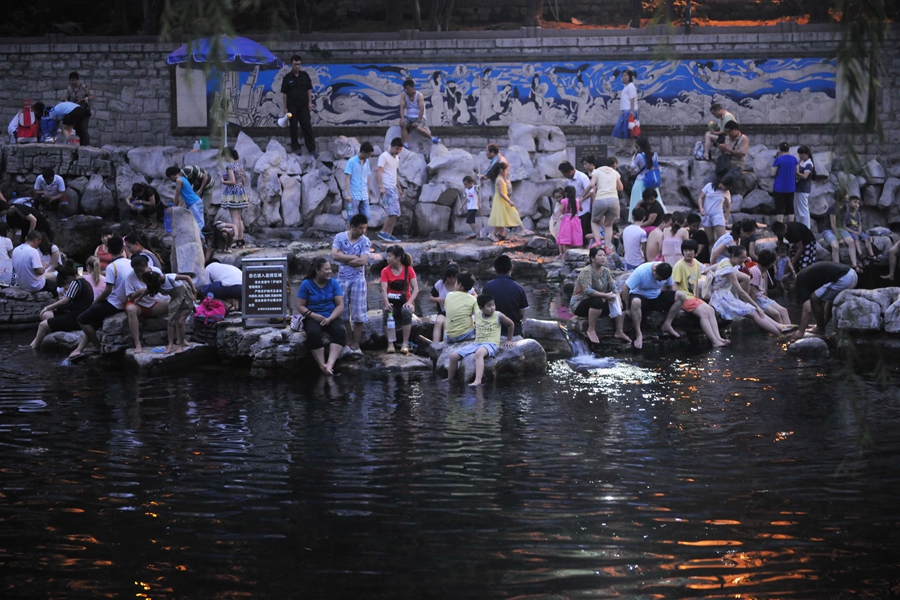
(391, 330)
(196, 145)
(167, 219)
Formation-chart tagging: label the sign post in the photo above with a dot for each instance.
(265, 295)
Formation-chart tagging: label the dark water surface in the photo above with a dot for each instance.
(722, 474)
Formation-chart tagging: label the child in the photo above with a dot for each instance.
(715, 207)
(6, 245)
(570, 232)
(806, 170)
(698, 234)
(472, 206)
(487, 338)
(558, 195)
(461, 305)
(634, 240)
(759, 276)
(181, 303)
(438, 294)
(852, 225)
(94, 275)
(784, 268)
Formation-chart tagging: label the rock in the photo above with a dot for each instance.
(537, 138)
(79, 184)
(823, 162)
(385, 363)
(821, 196)
(762, 160)
(97, 198)
(527, 195)
(451, 167)
(61, 341)
(551, 335)
(269, 188)
(330, 223)
(292, 165)
(192, 356)
(547, 165)
(154, 161)
(863, 310)
(205, 159)
(874, 172)
(737, 203)
(345, 147)
(700, 172)
(849, 183)
(675, 186)
(810, 346)
(79, 236)
(274, 155)
(871, 194)
(432, 218)
(745, 184)
(766, 184)
(758, 201)
(125, 178)
(247, 150)
(290, 201)
(520, 166)
(315, 190)
(892, 318)
(444, 193)
(889, 194)
(187, 249)
(377, 216)
(527, 357)
(19, 307)
(413, 169)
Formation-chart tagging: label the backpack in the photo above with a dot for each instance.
(699, 154)
(49, 126)
(652, 178)
(27, 127)
(209, 312)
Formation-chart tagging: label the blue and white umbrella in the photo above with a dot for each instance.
(236, 53)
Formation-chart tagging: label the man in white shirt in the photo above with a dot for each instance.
(388, 163)
(50, 189)
(141, 304)
(634, 241)
(412, 114)
(112, 299)
(581, 183)
(28, 267)
(225, 282)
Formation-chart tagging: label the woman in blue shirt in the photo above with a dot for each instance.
(321, 302)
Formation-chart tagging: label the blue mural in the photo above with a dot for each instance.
(789, 91)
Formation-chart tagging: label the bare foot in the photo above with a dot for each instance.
(138, 349)
(888, 277)
(721, 344)
(623, 337)
(592, 335)
(475, 384)
(329, 368)
(639, 342)
(169, 349)
(671, 331)
(179, 349)
(324, 369)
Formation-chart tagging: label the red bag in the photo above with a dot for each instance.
(27, 127)
(209, 312)
(634, 126)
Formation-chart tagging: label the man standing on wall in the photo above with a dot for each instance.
(296, 91)
(78, 93)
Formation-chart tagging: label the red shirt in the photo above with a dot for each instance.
(398, 284)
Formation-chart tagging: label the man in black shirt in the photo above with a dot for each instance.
(509, 296)
(817, 287)
(296, 91)
(699, 235)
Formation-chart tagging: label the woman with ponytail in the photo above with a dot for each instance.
(673, 237)
(399, 288)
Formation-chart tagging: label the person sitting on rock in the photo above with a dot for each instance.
(508, 295)
(226, 282)
(730, 298)
(893, 252)
(351, 249)
(759, 288)
(51, 258)
(817, 287)
(634, 241)
(320, 301)
(716, 129)
(24, 218)
(488, 321)
(399, 289)
(134, 244)
(651, 288)
(101, 252)
(412, 113)
(742, 230)
(28, 269)
(141, 303)
(110, 302)
(50, 192)
(594, 293)
(655, 237)
(181, 292)
(686, 274)
(461, 306)
(6, 245)
(62, 315)
(439, 292)
(186, 196)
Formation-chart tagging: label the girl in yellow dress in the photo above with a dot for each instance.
(503, 211)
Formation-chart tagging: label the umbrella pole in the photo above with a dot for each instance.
(226, 133)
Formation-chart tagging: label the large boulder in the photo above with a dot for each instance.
(330, 223)
(272, 158)
(890, 194)
(210, 160)
(810, 346)
(451, 167)
(315, 189)
(79, 236)
(345, 147)
(97, 198)
(821, 196)
(537, 138)
(675, 183)
(526, 358)
(187, 249)
(269, 188)
(528, 195)
(413, 169)
(291, 200)
(547, 165)
(863, 310)
(125, 178)
(874, 172)
(823, 162)
(519, 162)
(154, 161)
(247, 150)
(849, 183)
(444, 193)
(758, 201)
(760, 158)
(892, 318)
(19, 307)
(551, 335)
(432, 218)
(61, 341)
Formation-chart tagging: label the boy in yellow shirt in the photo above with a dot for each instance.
(487, 338)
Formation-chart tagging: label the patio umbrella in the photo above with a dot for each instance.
(232, 53)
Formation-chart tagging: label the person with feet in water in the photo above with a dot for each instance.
(652, 288)
(595, 291)
(487, 338)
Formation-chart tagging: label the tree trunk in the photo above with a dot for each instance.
(448, 10)
(670, 11)
(392, 15)
(417, 15)
(434, 11)
(636, 10)
(535, 13)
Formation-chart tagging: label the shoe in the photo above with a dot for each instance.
(390, 348)
(299, 151)
(471, 236)
(406, 145)
(435, 140)
(356, 351)
(315, 154)
(395, 239)
(296, 149)
(404, 349)
(382, 235)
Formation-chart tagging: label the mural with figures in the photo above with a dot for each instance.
(771, 91)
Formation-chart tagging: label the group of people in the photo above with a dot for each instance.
(71, 116)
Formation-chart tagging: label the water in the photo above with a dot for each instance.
(728, 473)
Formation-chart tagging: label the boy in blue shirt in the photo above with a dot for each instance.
(185, 195)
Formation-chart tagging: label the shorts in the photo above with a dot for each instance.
(784, 203)
(75, 116)
(357, 206)
(355, 297)
(661, 303)
(831, 238)
(692, 304)
(402, 314)
(473, 348)
(584, 307)
(715, 219)
(605, 207)
(470, 216)
(862, 236)
(390, 200)
(97, 313)
(829, 291)
(181, 305)
(412, 124)
(462, 338)
(145, 311)
(765, 302)
(63, 321)
(223, 292)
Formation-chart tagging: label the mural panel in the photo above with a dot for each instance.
(771, 91)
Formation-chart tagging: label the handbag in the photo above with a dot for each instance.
(634, 126)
